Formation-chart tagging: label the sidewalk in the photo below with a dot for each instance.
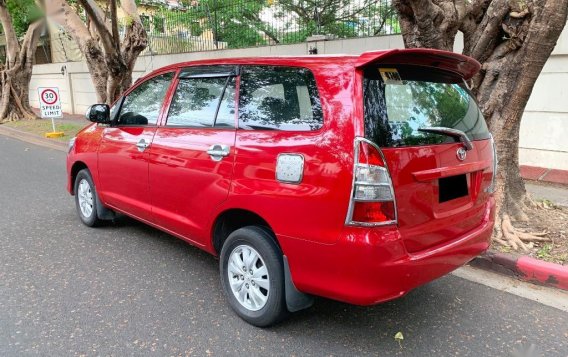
(33, 131)
(553, 193)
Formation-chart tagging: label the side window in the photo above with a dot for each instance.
(279, 98)
(226, 114)
(142, 106)
(114, 109)
(203, 102)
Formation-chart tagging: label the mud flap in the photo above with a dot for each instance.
(295, 299)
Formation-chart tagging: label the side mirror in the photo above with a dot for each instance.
(99, 113)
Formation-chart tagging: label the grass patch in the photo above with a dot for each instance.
(544, 252)
(42, 126)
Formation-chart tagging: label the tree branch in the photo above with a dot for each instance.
(258, 24)
(94, 13)
(129, 7)
(469, 24)
(114, 24)
(407, 23)
(486, 36)
(357, 11)
(426, 13)
(135, 41)
(67, 17)
(29, 44)
(12, 45)
(384, 19)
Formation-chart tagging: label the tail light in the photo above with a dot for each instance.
(491, 188)
(372, 200)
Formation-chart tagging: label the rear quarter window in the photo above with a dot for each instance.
(396, 106)
(279, 98)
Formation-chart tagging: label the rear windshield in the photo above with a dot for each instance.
(399, 100)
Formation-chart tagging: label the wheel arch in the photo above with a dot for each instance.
(77, 166)
(232, 219)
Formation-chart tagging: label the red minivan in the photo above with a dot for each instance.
(355, 178)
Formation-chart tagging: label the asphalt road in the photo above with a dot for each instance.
(127, 289)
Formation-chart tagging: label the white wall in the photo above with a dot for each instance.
(544, 128)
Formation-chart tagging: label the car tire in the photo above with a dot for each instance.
(86, 198)
(252, 276)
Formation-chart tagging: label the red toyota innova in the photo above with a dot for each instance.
(355, 178)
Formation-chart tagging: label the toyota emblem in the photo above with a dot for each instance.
(461, 154)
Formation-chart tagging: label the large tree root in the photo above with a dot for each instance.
(510, 236)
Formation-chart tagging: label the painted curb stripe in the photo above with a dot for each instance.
(545, 273)
(525, 268)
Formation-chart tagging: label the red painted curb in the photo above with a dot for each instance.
(556, 176)
(535, 173)
(524, 268)
(532, 172)
(543, 272)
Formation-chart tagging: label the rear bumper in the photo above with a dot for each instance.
(368, 266)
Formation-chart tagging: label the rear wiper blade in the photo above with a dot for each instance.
(455, 133)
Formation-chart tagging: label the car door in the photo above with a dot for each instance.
(123, 152)
(192, 155)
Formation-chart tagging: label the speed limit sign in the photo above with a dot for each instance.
(50, 102)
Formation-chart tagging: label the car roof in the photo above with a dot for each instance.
(306, 60)
(462, 65)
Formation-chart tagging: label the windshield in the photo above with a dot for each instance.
(400, 100)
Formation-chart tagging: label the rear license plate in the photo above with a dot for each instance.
(452, 187)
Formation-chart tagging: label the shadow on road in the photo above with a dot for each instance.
(447, 316)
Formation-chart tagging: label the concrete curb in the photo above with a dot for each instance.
(32, 138)
(525, 268)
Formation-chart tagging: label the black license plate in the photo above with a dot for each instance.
(452, 187)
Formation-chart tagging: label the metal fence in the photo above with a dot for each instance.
(214, 24)
(178, 26)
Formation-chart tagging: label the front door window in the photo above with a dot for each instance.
(142, 106)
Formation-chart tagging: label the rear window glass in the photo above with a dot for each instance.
(400, 100)
(279, 98)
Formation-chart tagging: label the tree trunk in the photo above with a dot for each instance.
(512, 40)
(110, 63)
(16, 74)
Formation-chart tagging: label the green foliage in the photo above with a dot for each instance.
(544, 252)
(23, 13)
(338, 18)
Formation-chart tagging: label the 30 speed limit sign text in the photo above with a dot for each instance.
(50, 102)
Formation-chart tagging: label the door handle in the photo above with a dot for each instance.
(142, 145)
(218, 151)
